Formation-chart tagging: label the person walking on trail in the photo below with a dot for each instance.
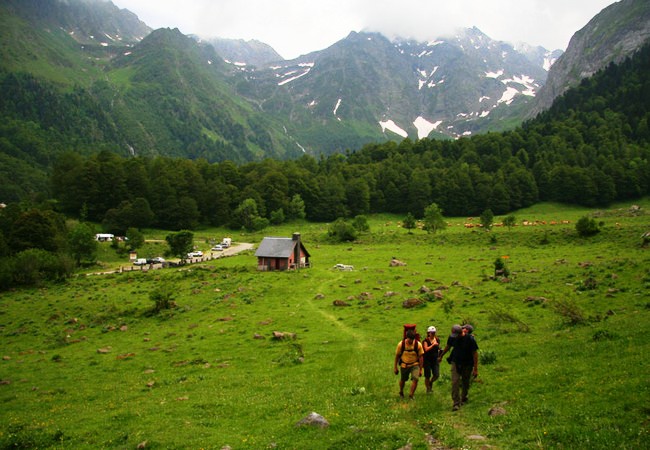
(409, 359)
(464, 365)
(431, 346)
(456, 331)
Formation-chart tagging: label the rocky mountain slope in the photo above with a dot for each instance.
(402, 88)
(611, 36)
(163, 93)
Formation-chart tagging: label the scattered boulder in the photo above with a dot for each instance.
(424, 290)
(340, 303)
(258, 336)
(396, 263)
(412, 303)
(314, 420)
(497, 411)
(476, 437)
(319, 296)
(438, 294)
(104, 350)
(390, 294)
(282, 335)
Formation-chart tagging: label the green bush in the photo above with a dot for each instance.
(487, 357)
(163, 297)
(342, 231)
(586, 226)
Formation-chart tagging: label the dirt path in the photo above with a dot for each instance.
(212, 255)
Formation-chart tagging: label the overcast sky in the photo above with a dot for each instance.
(295, 27)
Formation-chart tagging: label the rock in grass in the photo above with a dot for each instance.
(412, 303)
(314, 420)
(496, 411)
(282, 335)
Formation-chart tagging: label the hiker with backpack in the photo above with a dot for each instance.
(431, 346)
(463, 360)
(409, 357)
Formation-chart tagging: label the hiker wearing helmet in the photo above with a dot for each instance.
(408, 356)
(431, 347)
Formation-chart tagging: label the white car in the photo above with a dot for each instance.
(217, 248)
(197, 254)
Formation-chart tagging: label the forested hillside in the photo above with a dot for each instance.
(590, 149)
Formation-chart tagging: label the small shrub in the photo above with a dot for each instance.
(487, 357)
(604, 335)
(500, 268)
(447, 305)
(360, 223)
(342, 231)
(570, 311)
(163, 298)
(586, 226)
(500, 316)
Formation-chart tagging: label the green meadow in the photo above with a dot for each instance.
(563, 343)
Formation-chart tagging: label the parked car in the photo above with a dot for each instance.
(140, 262)
(197, 254)
(157, 260)
(217, 248)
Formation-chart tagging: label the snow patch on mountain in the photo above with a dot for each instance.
(425, 127)
(495, 75)
(336, 108)
(508, 95)
(392, 126)
(303, 69)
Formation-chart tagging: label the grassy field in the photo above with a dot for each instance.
(563, 344)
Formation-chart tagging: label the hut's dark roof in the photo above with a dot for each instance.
(276, 247)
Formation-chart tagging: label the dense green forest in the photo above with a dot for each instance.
(591, 148)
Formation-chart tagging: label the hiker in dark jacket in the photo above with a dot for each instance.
(464, 365)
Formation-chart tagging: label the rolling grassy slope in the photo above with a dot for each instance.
(87, 365)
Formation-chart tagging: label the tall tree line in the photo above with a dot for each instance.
(591, 148)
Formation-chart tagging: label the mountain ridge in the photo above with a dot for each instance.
(610, 36)
(190, 101)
